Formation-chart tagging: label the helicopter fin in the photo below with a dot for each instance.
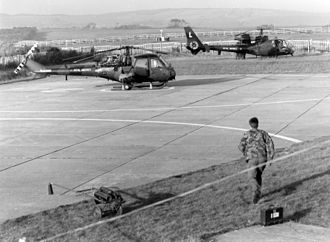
(34, 66)
(31, 65)
(193, 42)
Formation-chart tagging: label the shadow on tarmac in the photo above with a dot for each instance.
(180, 83)
(197, 82)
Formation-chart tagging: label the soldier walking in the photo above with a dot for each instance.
(257, 147)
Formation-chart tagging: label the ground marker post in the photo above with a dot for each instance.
(50, 189)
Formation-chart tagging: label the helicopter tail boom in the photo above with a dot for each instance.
(34, 66)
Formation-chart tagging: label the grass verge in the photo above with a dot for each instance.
(208, 64)
(204, 64)
(300, 184)
(10, 75)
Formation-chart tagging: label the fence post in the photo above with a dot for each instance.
(308, 46)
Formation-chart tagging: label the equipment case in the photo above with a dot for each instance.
(272, 215)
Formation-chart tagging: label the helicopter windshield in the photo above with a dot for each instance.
(154, 63)
(285, 44)
(277, 42)
(165, 63)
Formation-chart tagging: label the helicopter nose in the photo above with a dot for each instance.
(290, 51)
(172, 74)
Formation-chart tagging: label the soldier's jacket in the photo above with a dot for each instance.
(257, 143)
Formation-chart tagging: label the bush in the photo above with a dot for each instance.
(7, 71)
(55, 56)
(9, 66)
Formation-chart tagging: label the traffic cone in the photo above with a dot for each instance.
(50, 189)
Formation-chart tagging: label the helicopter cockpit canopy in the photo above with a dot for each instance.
(280, 43)
(155, 63)
(163, 61)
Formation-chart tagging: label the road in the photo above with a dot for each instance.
(85, 133)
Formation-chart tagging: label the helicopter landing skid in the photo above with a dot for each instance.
(151, 86)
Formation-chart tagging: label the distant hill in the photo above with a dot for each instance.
(220, 18)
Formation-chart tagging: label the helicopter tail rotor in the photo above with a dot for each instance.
(26, 58)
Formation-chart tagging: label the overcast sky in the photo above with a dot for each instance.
(108, 6)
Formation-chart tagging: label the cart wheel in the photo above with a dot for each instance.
(119, 211)
(97, 212)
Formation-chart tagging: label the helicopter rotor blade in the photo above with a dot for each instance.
(151, 50)
(261, 27)
(89, 56)
(133, 47)
(109, 50)
(77, 58)
(242, 33)
(85, 59)
(98, 53)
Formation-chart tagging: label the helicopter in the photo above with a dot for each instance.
(126, 69)
(260, 46)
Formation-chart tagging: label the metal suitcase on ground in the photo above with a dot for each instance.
(272, 215)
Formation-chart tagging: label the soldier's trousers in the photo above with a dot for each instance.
(255, 175)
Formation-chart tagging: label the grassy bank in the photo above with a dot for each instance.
(300, 184)
(9, 74)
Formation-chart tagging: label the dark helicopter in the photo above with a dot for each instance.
(260, 46)
(127, 69)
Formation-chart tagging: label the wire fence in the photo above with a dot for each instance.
(178, 47)
(4, 60)
(178, 35)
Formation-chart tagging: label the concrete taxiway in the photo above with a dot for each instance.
(82, 133)
(290, 231)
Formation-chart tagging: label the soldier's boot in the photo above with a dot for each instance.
(254, 178)
(256, 198)
(257, 181)
(256, 190)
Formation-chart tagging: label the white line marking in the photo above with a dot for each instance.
(63, 90)
(146, 121)
(163, 108)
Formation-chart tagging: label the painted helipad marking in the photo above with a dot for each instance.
(163, 108)
(63, 90)
(146, 121)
